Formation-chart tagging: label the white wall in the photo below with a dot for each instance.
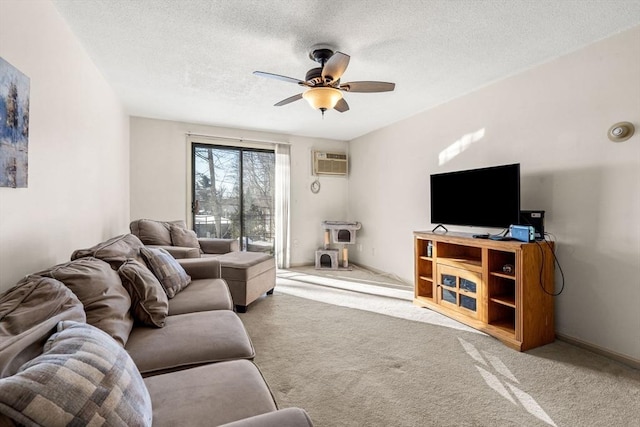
(553, 120)
(78, 189)
(159, 172)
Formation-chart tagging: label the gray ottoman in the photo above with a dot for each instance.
(249, 275)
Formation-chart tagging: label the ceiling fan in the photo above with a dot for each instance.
(324, 90)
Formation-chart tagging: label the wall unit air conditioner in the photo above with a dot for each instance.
(330, 163)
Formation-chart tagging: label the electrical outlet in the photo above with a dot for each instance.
(359, 247)
(373, 251)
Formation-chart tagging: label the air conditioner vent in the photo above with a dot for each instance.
(330, 163)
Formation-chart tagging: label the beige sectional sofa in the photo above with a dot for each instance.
(126, 335)
(248, 274)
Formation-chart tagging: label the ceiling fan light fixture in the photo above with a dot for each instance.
(322, 98)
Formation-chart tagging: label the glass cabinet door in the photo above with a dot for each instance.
(459, 289)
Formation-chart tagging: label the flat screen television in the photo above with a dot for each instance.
(486, 197)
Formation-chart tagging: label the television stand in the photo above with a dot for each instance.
(493, 286)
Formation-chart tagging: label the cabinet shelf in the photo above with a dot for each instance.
(503, 326)
(464, 279)
(424, 271)
(503, 275)
(508, 300)
(464, 263)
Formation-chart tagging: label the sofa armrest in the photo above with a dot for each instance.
(179, 252)
(218, 246)
(201, 268)
(289, 417)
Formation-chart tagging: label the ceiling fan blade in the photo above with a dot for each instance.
(288, 100)
(335, 67)
(369, 87)
(341, 106)
(279, 77)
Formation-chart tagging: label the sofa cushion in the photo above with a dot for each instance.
(202, 295)
(181, 236)
(115, 251)
(83, 378)
(106, 302)
(209, 395)
(169, 272)
(153, 232)
(29, 314)
(189, 340)
(149, 303)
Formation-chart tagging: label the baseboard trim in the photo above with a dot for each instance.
(300, 264)
(384, 273)
(409, 285)
(626, 360)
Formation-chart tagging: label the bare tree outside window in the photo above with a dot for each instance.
(234, 195)
(259, 181)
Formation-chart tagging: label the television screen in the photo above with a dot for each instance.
(487, 197)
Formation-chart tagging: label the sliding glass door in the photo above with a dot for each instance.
(233, 194)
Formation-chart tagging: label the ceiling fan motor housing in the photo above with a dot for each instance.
(321, 56)
(314, 76)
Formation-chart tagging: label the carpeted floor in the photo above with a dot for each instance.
(349, 366)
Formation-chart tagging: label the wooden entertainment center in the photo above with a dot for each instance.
(502, 288)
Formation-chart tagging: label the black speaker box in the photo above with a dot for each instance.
(535, 219)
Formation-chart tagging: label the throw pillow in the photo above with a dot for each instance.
(115, 251)
(98, 287)
(29, 314)
(149, 303)
(83, 378)
(169, 272)
(153, 232)
(184, 237)
(178, 222)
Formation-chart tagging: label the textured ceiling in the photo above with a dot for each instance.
(192, 60)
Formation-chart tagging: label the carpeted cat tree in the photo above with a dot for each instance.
(339, 233)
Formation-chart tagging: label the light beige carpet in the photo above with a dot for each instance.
(351, 367)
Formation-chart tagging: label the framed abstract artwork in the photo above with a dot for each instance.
(14, 126)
